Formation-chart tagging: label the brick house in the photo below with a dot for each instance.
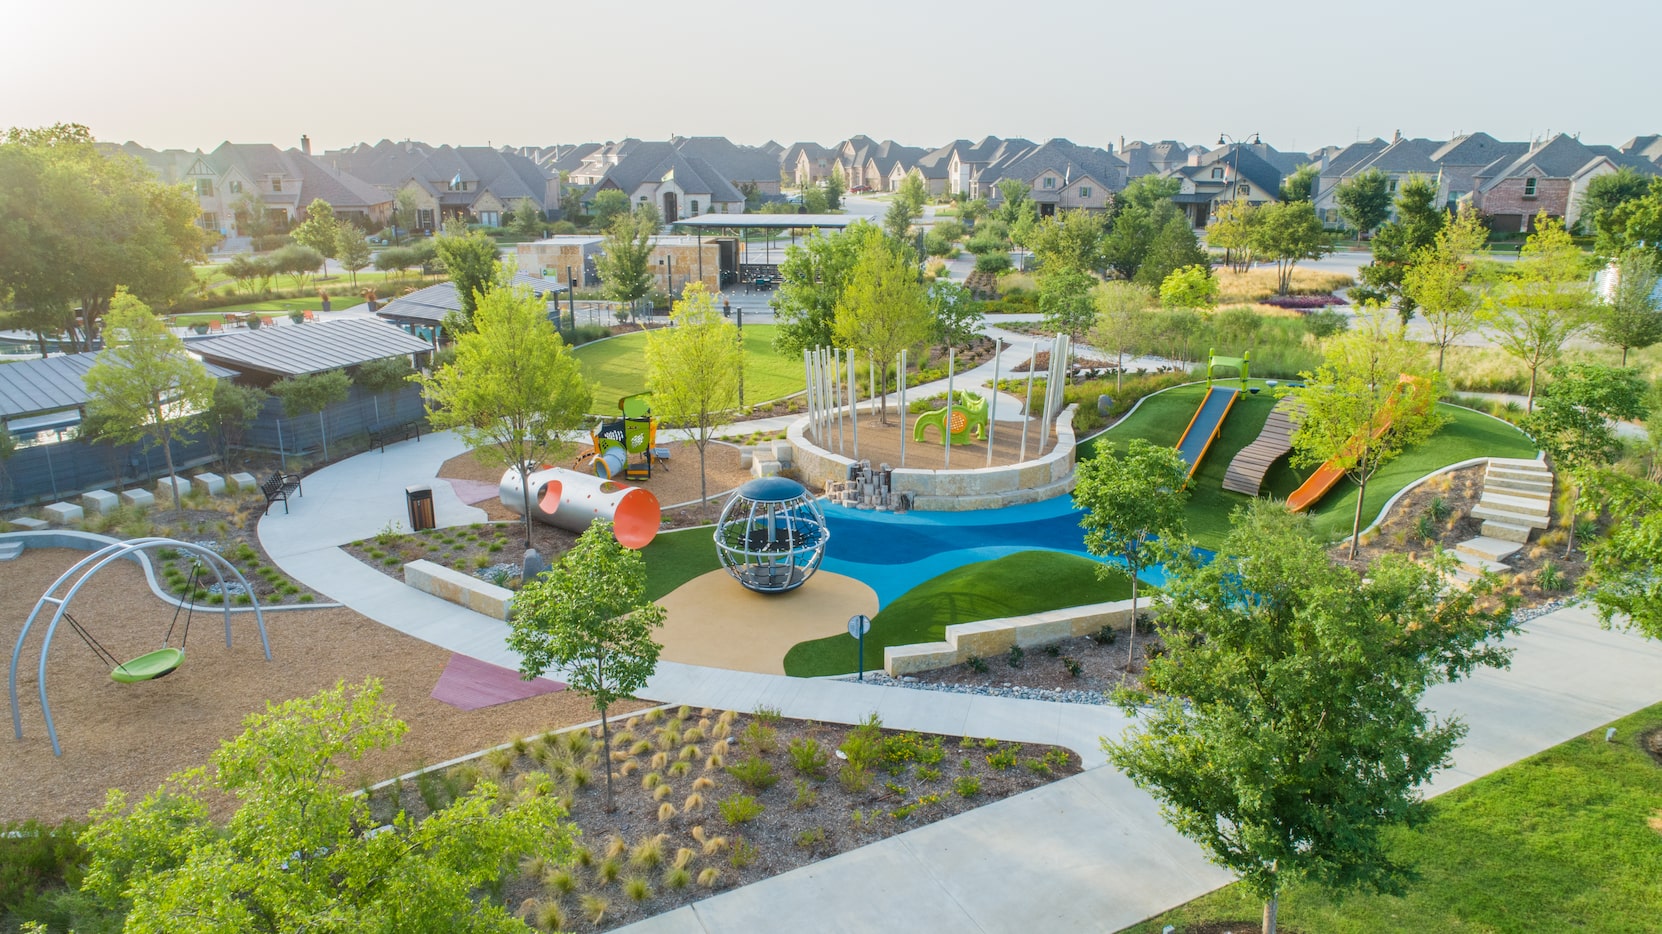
(1550, 178)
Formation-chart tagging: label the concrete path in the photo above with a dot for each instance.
(1086, 853)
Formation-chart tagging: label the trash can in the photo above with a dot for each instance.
(420, 500)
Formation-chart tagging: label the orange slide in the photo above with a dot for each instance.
(1317, 485)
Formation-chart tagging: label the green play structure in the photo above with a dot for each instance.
(1242, 363)
(969, 417)
(634, 435)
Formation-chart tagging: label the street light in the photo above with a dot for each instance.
(1238, 144)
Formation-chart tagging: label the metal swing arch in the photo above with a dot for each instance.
(83, 571)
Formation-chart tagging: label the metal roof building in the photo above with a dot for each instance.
(427, 308)
(51, 392)
(309, 348)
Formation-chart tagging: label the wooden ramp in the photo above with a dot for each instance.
(1246, 472)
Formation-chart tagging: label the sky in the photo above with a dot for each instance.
(168, 74)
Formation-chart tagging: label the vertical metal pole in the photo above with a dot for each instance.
(808, 389)
(902, 381)
(1027, 404)
(992, 404)
(871, 380)
(837, 393)
(946, 427)
(860, 660)
(854, 404)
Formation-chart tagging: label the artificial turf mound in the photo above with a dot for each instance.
(617, 367)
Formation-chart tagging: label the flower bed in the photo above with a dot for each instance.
(1304, 302)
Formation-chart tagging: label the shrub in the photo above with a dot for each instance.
(1549, 577)
(806, 796)
(1017, 654)
(754, 773)
(709, 876)
(854, 778)
(1104, 636)
(976, 664)
(1002, 759)
(1075, 669)
(812, 837)
(994, 263)
(808, 757)
(743, 854)
(738, 809)
(647, 853)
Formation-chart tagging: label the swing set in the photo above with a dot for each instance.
(147, 667)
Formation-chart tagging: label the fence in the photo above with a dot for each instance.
(65, 469)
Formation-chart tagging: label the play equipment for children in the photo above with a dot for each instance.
(570, 500)
(1318, 483)
(968, 416)
(771, 535)
(633, 435)
(1242, 363)
(1204, 426)
(147, 667)
(1246, 472)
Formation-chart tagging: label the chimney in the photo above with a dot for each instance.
(1396, 137)
(305, 144)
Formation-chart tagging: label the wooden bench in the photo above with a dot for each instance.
(278, 487)
(379, 434)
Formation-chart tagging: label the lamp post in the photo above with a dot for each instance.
(1236, 181)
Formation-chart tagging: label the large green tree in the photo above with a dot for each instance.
(475, 269)
(144, 385)
(1416, 225)
(320, 230)
(1364, 200)
(1283, 729)
(1301, 184)
(1605, 194)
(812, 279)
(694, 370)
(1438, 281)
(626, 256)
(1132, 501)
(1070, 240)
(527, 219)
(351, 251)
(1015, 204)
(1122, 323)
(233, 410)
(1622, 566)
(295, 855)
(1173, 246)
(1576, 423)
(1065, 301)
(906, 207)
(1287, 233)
(607, 206)
(1231, 230)
(77, 225)
(1632, 223)
(1543, 301)
(512, 387)
(1632, 316)
(589, 618)
(883, 308)
(1371, 399)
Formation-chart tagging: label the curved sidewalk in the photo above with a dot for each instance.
(1088, 852)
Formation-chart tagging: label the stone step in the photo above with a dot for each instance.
(10, 550)
(1522, 505)
(1489, 549)
(1477, 565)
(1516, 487)
(1511, 516)
(1526, 462)
(1520, 473)
(1507, 531)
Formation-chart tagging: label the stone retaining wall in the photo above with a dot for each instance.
(953, 490)
(464, 590)
(990, 638)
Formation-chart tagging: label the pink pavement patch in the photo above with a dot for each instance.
(473, 491)
(469, 684)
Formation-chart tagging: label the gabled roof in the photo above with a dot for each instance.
(1404, 156)
(316, 178)
(507, 175)
(1345, 161)
(813, 151)
(435, 302)
(566, 160)
(1065, 158)
(1563, 156)
(309, 348)
(735, 163)
(1475, 149)
(1236, 160)
(652, 162)
(52, 384)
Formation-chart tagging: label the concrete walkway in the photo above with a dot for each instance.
(1086, 853)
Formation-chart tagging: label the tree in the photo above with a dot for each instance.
(1632, 317)
(527, 218)
(79, 225)
(252, 217)
(1189, 287)
(1287, 233)
(1605, 194)
(1621, 567)
(835, 186)
(396, 259)
(625, 257)
(814, 201)
(1369, 401)
(883, 308)
(1283, 730)
(1131, 234)
(475, 269)
(812, 279)
(512, 387)
(1542, 303)
(1231, 230)
(145, 386)
(693, 369)
(319, 230)
(1068, 240)
(382, 376)
(1173, 246)
(313, 393)
(1632, 223)
(607, 206)
(1364, 201)
(352, 251)
(590, 618)
(405, 213)
(898, 220)
(956, 313)
(1065, 302)
(1015, 203)
(1438, 282)
(1121, 322)
(1575, 423)
(294, 856)
(1149, 192)
(233, 409)
(297, 261)
(1131, 502)
(1301, 184)
(1416, 225)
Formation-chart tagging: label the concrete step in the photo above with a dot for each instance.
(1520, 473)
(1509, 516)
(1526, 462)
(1489, 549)
(1476, 565)
(1522, 505)
(1513, 486)
(1507, 531)
(10, 550)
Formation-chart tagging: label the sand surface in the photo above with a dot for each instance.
(715, 621)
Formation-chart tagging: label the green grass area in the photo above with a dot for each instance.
(1162, 418)
(617, 367)
(984, 590)
(676, 557)
(1557, 842)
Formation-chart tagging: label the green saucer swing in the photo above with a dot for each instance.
(149, 666)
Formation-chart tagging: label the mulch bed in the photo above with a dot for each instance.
(1101, 665)
(802, 816)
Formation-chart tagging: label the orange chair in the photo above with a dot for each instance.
(215, 326)
(309, 316)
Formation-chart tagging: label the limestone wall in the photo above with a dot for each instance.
(461, 589)
(954, 490)
(990, 638)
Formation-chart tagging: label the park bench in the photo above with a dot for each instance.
(278, 487)
(380, 434)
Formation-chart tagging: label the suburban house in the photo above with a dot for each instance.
(870, 164)
(169, 165)
(283, 182)
(808, 163)
(1235, 172)
(1060, 175)
(1399, 160)
(678, 184)
(477, 184)
(1155, 158)
(1550, 177)
(594, 165)
(741, 166)
(969, 160)
(1645, 147)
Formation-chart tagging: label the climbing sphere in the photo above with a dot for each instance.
(771, 535)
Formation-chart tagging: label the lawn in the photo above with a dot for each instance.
(984, 590)
(617, 367)
(1162, 418)
(676, 557)
(1563, 841)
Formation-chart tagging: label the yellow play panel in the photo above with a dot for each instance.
(716, 622)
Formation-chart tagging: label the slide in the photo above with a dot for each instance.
(1322, 480)
(1203, 428)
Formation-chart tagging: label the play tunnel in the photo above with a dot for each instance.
(570, 500)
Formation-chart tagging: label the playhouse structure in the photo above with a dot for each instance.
(624, 448)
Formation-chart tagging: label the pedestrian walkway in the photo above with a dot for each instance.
(1088, 852)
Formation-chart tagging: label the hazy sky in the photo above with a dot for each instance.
(1305, 74)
